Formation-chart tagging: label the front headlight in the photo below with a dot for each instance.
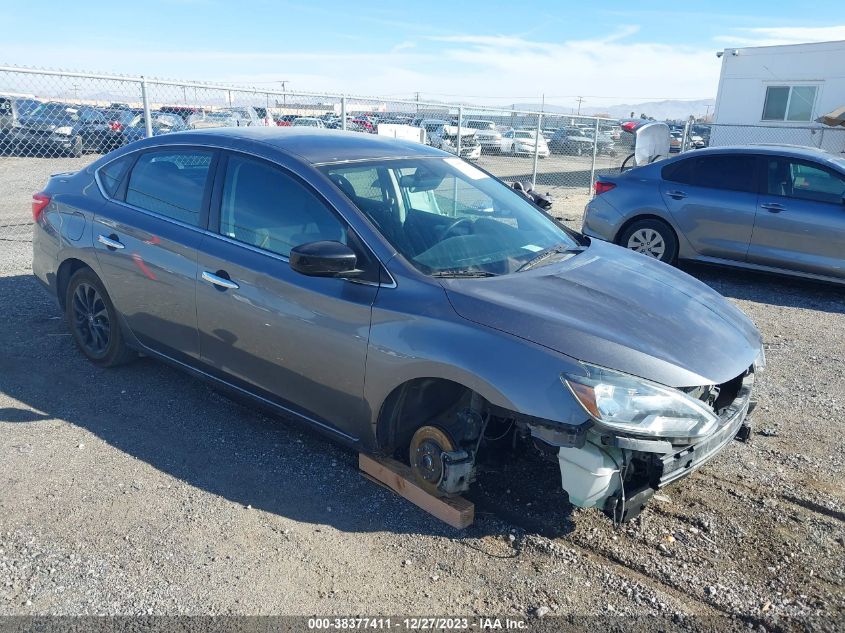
(621, 402)
(65, 130)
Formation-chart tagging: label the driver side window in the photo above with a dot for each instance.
(264, 207)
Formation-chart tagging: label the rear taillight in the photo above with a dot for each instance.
(39, 203)
(602, 187)
(116, 126)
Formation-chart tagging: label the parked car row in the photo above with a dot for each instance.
(77, 128)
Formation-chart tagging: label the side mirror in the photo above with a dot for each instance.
(324, 259)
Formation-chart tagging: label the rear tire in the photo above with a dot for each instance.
(93, 321)
(651, 237)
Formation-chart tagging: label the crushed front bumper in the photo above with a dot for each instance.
(620, 473)
(681, 463)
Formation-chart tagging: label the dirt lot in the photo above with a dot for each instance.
(140, 490)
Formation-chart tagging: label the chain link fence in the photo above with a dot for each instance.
(53, 121)
(720, 134)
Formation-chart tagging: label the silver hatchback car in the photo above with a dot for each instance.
(770, 208)
(400, 300)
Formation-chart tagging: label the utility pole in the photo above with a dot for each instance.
(418, 102)
(284, 83)
(579, 100)
(76, 92)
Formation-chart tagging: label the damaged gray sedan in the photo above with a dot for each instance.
(400, 300)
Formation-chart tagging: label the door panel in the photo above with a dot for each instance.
(151, 279)
(713, 200)
(800, 219)
(147, 248)
(301, 341)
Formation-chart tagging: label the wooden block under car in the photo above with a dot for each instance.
(456, 511)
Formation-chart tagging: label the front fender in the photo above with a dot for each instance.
(434, 342)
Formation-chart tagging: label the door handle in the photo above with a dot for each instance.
(221, 282)
(773, 207)
(110, 242)
(677, 195)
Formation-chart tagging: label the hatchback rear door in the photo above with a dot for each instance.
(713, 199)
(146, 238)
(801, 217)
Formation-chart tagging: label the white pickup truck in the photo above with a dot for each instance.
(442, 135)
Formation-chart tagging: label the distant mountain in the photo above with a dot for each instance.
(670, 109)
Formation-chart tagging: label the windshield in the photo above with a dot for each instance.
(447, 217)
(524, 135)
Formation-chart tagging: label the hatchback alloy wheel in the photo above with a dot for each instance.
(647, 241)
(91, 319)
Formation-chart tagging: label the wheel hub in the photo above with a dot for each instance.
(426, 456)
(647, 241)
(91, 319)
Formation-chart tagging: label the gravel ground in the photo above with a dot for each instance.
(142, 491)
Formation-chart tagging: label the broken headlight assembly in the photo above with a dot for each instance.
(624, 403)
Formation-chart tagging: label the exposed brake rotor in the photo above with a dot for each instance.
(426, 457)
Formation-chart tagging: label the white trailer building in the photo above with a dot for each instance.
(774, 94)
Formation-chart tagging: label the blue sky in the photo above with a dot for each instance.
(492, 51)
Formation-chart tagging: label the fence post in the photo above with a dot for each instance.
(685, 140)
(148, 123)
(460, 125)
(537, 149)
(595, 153)
(343, 113)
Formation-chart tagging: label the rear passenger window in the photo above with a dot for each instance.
(112, 174)
(171, 183)
(734, 172)
(796, 179)
(264, 207)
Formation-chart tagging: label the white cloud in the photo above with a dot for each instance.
(494, 69)
(605, 70)
(773, 36)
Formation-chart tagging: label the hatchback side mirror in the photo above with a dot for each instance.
(324, 259)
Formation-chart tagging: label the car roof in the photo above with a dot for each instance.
(795, 151)
(314, 145)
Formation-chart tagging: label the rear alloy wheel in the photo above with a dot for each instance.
(426, 457)
(653, 238)
(93, 321)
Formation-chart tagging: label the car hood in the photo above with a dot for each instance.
(620, 310)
